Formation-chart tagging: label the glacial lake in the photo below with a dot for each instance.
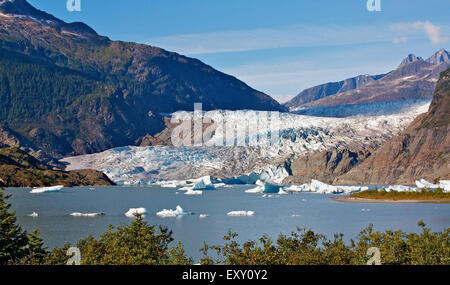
(274, 215)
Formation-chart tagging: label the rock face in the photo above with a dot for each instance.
(9, 138)
(421, 151)
(331, 88)
(18, 169)
(324, 166)
(414, 78)
(69, 90)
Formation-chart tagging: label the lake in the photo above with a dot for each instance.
(274, 215)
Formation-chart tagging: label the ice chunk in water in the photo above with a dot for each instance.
(132, 212)
(241, 213)
(165, 213)
(46, 189)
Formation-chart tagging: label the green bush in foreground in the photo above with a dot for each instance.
(304, 247)
(133, 244)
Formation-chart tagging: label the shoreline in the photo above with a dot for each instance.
(367, 200)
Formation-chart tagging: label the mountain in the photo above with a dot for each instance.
(18, 169)
(68, 90)
(410, 59)
(415, 78)
(421, 151)
(330, 88)
(441, 56)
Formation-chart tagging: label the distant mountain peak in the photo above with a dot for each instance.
(439, 57)
(22, 9)
(410, 59)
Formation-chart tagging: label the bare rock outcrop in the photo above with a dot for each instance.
(421, 151)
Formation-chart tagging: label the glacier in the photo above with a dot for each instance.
(174, 167)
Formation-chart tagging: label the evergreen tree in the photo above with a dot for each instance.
(36, 250)
(13, 240)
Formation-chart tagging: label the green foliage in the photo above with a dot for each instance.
(423, 194)
(305, 247)
(133, 244)
(37, 253)
(16, 247)
(13, 240)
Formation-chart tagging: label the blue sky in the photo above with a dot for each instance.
(279, 47)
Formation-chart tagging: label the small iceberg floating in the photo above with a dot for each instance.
(241, 213)
(33, 215)
(132, 212)
(168, 213)
(46, 189)
(87, 214)
(193, 192)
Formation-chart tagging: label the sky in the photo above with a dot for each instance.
(279, 47)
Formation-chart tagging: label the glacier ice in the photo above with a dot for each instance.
(399, 188)
(422, 183)
(299, 134)
(323, 188)
(445, 185)
(241, 213)
(168, 213)
(132, 212)
(46, 189)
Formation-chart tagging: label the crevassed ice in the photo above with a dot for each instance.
(299, 135)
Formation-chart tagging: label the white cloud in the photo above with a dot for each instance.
(433, 32)
(270, 38)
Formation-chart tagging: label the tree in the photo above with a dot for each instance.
(135, 244)
(36, 250)
(13, 241)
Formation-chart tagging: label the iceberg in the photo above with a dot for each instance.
(444, 185)
(422, 183)
(241, 213)
(132, 212)
(193, 192)
(46, 189)
(282, 192)
(33, 215)
(399, 188)
(87, 214)
(165, 213)
(168, 184)
(319, 187)
(204, 183)
(257, 189)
